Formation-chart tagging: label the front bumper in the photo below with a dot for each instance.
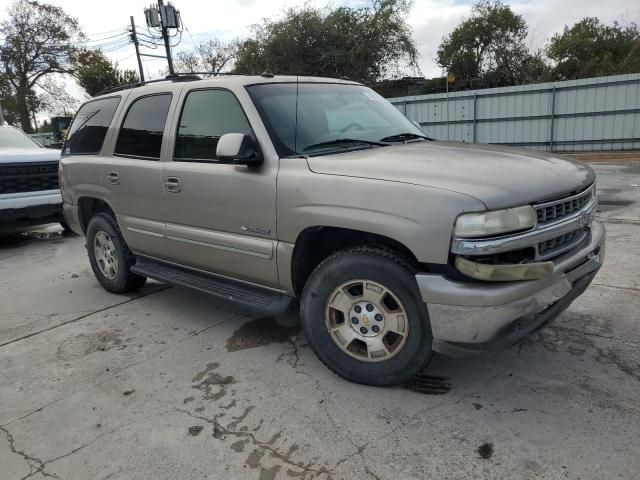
(21, 210)
(468, 318)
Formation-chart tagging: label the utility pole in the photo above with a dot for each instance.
(163, 24)
(134, 37)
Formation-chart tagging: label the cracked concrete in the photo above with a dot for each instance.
(169, 383)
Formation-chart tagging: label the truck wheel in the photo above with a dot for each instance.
(364, 318)
(110, 257)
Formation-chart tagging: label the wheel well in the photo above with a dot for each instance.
(315, 244)
(88, 207)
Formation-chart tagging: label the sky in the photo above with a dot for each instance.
(431, 20)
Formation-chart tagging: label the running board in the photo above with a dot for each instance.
(250, 296)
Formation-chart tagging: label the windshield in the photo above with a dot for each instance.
(14, 138)
(321, 118)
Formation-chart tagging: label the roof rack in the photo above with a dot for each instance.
(213, 74)
(174, 77)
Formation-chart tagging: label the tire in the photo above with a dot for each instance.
(377, 268)
(113, 271)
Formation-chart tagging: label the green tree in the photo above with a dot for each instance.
(95, 72)
(590, 49)
(365, 44)
(488, 48)
(37, 40)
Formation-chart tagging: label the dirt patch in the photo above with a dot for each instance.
(260, 332)
(428, 384)
(485, 450)
(239, 445)
(211, 383)
(195, 430)
(83, 344)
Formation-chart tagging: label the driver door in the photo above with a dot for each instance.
(219, 217)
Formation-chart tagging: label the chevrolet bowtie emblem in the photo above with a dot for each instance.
(365, 320)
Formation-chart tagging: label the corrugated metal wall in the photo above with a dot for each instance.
(578, 115)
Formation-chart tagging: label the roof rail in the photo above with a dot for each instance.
(175, 77)
(214, 74)
(182, 77)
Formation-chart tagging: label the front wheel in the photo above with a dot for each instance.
(110, 256)
(364, 318)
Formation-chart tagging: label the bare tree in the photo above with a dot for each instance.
(213, 56)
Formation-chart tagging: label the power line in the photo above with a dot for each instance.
(98, 44)
(116, 48)
(123, 32)
(103, 33)
(124, 58)
(189, 33)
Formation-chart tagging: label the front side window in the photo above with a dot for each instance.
(323, 118)
(206, 116)
(90, 126)
(143, 127)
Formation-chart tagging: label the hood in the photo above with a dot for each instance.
(497, 176)
(28, 155)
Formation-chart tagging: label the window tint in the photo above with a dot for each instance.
(206, 116)
(142, 129)
(276, 104)
(90, 126)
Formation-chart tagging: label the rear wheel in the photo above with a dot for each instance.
(364, 317)
(110, 257)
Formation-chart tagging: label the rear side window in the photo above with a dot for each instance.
(206, 116)
(90, 126)
(142, 129)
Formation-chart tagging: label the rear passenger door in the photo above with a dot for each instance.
(132, 175)
(82, 150)
(219, 217)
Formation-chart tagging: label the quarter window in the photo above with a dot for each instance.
(206, 116)
(142, 129)
(90, 126)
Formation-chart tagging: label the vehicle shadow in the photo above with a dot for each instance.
(534, 357)
(21, 238)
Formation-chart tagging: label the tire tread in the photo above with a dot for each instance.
(399, 259)
(133, 280)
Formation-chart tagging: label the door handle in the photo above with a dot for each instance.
(173, 184)
(113, 178)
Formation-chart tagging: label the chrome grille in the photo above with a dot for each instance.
(556, 245)
(557, 210)
(28, 177)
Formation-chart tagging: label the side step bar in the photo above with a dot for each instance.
(249, 296)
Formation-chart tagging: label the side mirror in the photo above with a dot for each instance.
(238, 148)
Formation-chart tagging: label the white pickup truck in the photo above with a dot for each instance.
(29, 189)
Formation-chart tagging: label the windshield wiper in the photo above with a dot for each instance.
(401, 137)
(344, 141)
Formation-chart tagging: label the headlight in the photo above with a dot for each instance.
(469, 225)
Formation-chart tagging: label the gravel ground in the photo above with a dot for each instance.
(172, 384)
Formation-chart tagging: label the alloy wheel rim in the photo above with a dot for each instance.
(105, 253)
(366, 320)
